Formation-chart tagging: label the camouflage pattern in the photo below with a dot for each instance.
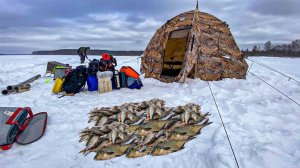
(212, 55)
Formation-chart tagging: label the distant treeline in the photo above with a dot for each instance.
(90, 52)
(273, 53)
(283, 50)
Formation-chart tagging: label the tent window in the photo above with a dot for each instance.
(175, 52)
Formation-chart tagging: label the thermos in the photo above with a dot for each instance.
(117, 80)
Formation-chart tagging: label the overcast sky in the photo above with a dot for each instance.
(28, 25)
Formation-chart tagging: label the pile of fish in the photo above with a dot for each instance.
(139, 129)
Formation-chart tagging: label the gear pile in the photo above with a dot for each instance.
(139, 129)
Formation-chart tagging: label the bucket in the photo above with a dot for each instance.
(92, 83)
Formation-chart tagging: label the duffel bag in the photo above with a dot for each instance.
(21, 126)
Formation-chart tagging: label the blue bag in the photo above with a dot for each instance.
(133, 83)
(123, 79)
(92, 83)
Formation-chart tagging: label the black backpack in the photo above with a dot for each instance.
(93, 68)
(75, 80)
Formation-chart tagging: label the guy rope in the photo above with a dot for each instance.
(272, 69)
(275, 89)
(130, 60)
(298, 104)
(237, 164)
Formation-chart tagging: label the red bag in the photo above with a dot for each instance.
(16, 127)
(130, 72)
(106, 57)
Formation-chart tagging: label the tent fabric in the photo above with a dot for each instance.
(211, 51)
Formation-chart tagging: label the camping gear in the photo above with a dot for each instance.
(47, 80)
(123, 80)
(116, 79)
(193, 44)
(75, 80)
(58, 85)
(16, 127)
(130, 72)
(21, 87)
(133, 83)
(107, 63)
(92, 83)
(104, 81)
(130, 78)
(68, 68)
(59, 72)
(93, 68)
(52, 64)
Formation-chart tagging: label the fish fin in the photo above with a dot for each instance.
(143, 149)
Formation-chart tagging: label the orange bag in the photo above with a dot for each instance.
(130, 72)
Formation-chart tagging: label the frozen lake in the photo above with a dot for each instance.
(263, 125)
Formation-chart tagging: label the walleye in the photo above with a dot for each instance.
(146, 145)
(149, 127)
(92, 141)
(168, 147)
(173, 124)
(112, 152)
(105, 111)
(139, 129)
(96, 147)
(156, 109)
(187, 131)
(139, 152)
(103, 121)
(198, 117)
(87, 133)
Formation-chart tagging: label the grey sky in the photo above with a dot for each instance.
(129, 24)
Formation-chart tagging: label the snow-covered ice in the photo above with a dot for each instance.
(263, 125)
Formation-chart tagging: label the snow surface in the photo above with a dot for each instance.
(263, 125)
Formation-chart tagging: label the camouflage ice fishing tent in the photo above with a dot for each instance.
(196, 45)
